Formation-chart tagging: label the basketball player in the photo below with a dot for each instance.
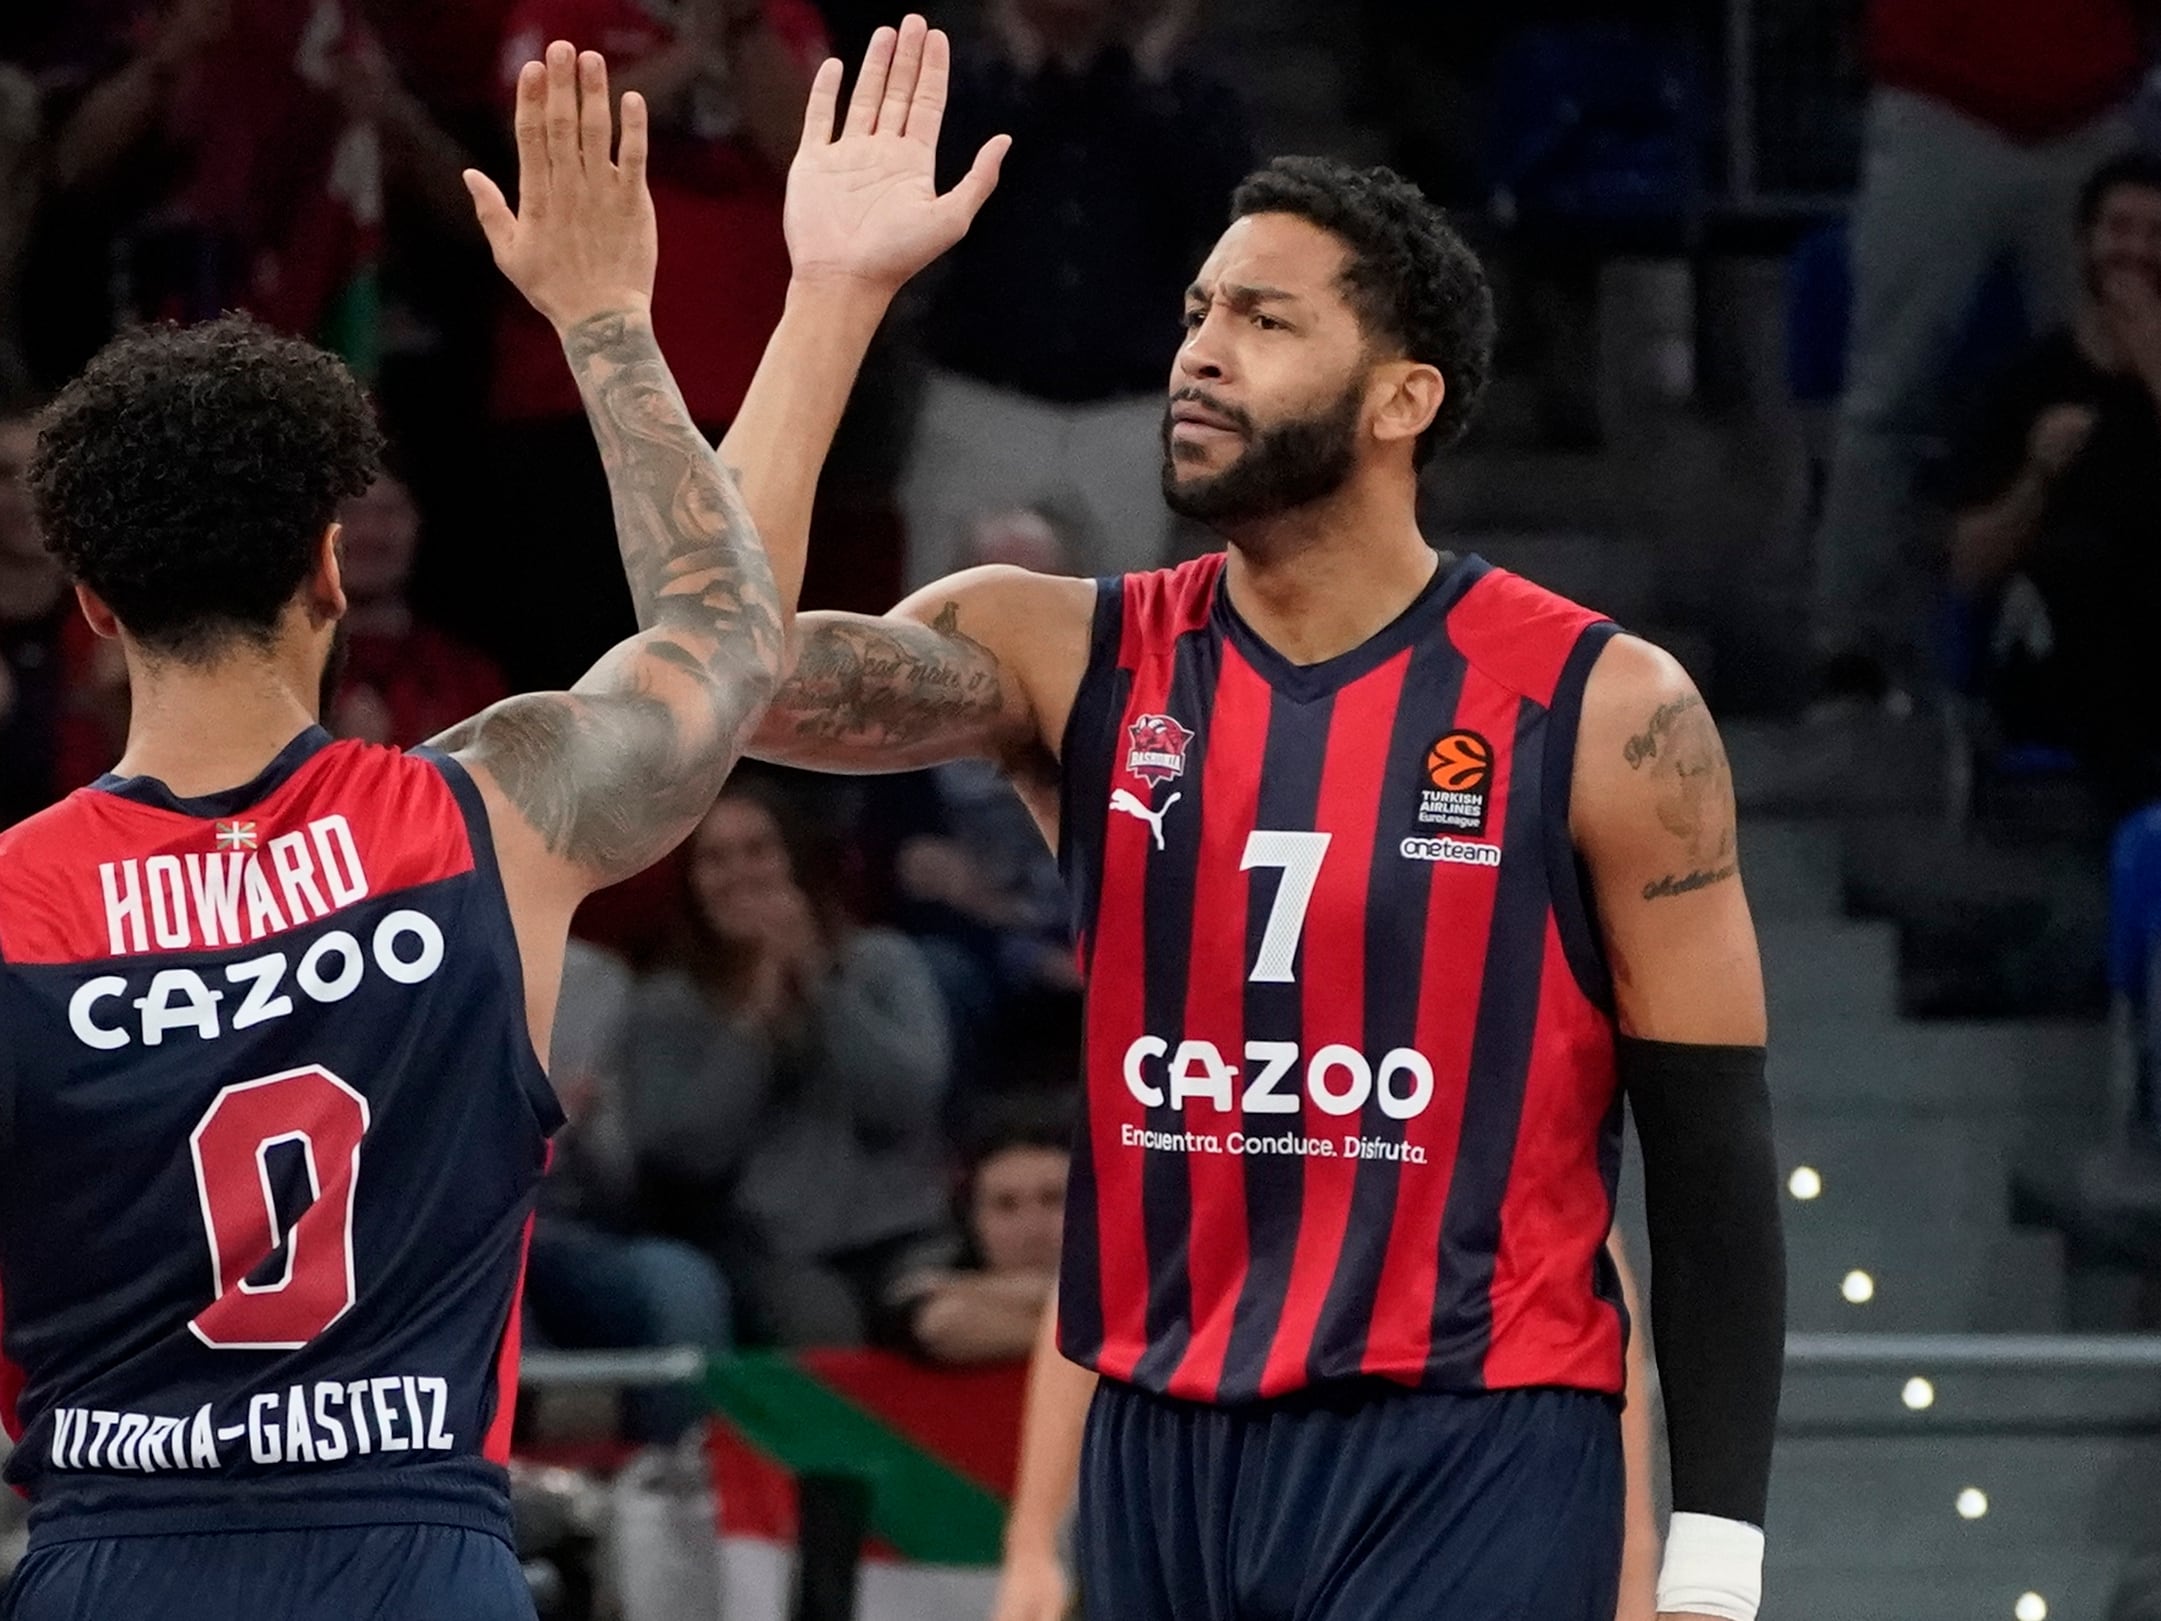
(1393, 874)
(274, 1009)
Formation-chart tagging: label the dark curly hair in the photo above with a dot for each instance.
(188, 474)
(1415, 283)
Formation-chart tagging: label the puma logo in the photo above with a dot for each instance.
(1122, 799)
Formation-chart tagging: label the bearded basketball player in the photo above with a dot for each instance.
(1393, 875)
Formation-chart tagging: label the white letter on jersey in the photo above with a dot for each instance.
(202, 1443)
(87, 996)
(310, 976)
(296, 874)
(339, 858)
(160, 1014)
(424, 962)
(1199, 1072)
(1136, 1082)
(263, 914)
(1337, 1056)
(1275, 1059)
(1406, 1061)
(263, 1437)
(215, 879)
(262, 976)
(123, 887)
(438, 1393)
(168, 902)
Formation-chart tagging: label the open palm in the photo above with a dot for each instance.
(864, 204)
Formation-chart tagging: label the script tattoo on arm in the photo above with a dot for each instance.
(1692, 787)
(614, 772)
(886, 692)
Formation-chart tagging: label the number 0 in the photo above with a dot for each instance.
(231, 1146)
(1300, 856)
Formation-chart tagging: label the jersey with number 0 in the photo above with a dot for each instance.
(1351, 1101)
(270, 1131)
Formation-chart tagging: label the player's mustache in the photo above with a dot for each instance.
(1222, 408)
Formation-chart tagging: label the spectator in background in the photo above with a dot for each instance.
(783, 1082)
(2059, 501)
(404, 680)
(593, 1282)
(726, 81)
(1053, 325)
(1987, 115)
(35, 606)
(987, 1303)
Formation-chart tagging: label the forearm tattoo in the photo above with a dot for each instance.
(887, 684)
(1692, 787)
(613, 772)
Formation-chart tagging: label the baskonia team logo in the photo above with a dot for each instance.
(1156, 749)
(1458, 775)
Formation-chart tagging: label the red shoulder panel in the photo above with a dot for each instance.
(1165, 604)
(1519, 633)
(101, 876)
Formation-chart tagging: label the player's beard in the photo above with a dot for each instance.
(1285, 466)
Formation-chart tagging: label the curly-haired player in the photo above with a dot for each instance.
(1392, 874)
(274, 1008)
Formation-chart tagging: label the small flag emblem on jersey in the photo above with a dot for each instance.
(1158, 748)
(236, 835)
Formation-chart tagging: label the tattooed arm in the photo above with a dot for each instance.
(1653, 816)
(982, 665)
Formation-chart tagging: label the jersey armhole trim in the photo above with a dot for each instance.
(1106, 638)
(532, 1075)
(1568, 878)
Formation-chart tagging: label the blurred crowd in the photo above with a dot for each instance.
(819, 1063)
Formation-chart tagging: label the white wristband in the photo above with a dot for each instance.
(1712, 1567)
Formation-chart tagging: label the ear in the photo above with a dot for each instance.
(101, 618)
(326, 589)
(1408, 398)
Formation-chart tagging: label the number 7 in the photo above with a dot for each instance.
(1300, 856)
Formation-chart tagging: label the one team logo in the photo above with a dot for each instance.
(1156, 749)
(236, 835)
(1458, 774)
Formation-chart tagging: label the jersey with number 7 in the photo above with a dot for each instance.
(1349, 1043)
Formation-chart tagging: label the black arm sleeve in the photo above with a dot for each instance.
(1718, 1265)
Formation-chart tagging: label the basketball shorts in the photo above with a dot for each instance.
(352, 1573)
(1362, 1502)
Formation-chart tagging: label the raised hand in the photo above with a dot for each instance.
(864, 205)
(582, 242)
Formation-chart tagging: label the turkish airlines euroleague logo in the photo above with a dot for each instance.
(1156, 748)
(1458, 776)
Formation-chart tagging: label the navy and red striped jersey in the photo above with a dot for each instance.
(1351, 1100)
(271, 1127)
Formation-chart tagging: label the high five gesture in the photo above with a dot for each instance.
(864, 203)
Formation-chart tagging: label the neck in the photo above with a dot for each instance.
(2096, 339)
(1319, 581)
(203, 728)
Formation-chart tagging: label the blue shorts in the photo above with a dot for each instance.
(352, 1573)
(1363, 1502)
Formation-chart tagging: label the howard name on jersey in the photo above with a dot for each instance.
(271, 1126)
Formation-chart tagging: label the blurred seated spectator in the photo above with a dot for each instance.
(975, 882)
(726, 80)
(986, 1303)
(593, 1282)
(783, 1083)
(35, 607)
(1052, 325)
(1985, 118)
(2058, 498)
(404, 681)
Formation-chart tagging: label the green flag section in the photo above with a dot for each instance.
(933, 1451)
